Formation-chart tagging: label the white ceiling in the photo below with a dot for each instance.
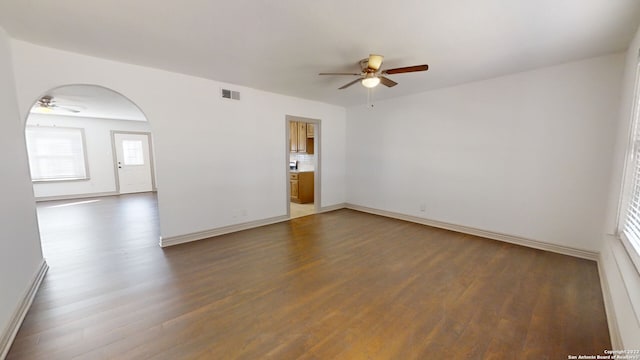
(280, 46)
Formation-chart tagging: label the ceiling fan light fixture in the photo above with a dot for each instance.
(370, 82)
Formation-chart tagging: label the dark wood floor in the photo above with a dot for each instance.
(338, 285)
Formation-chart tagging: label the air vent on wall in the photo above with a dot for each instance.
(228, 94)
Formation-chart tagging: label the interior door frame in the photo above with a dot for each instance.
(317, 172)
(115, 157)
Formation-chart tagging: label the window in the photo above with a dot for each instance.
(132, 152)
(56, 153)
(630, 219)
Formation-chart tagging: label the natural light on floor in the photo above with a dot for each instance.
(74, 203)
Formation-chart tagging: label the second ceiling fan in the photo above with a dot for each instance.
(47, 104)
(371, 75)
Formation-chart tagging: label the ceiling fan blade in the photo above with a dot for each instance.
(387, 82)
(406, 69)
(375, 61)
(41, 109)
(349, 84)
(357, 74)
(68, 108)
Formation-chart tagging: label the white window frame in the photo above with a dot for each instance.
(631, 184)
(82, 177)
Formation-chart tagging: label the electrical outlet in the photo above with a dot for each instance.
(423, 207)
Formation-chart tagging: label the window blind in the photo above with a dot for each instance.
(631, 206)
(56, 153)
(632, 223)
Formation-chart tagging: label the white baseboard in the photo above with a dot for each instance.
(332, 208)
(612, 319)
(75, 196)
(21, 311)
(200, 235)
(565, 250)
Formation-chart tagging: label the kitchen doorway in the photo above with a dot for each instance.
(303, 168)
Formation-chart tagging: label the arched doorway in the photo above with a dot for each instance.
(71, 134)
(91, 161)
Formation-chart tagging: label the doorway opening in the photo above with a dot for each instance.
(75, 136)
(303, 169)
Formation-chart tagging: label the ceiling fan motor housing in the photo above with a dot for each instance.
(364, 65)
(46, 100)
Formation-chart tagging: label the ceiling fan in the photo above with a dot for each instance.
(47, 103)
(371, 75)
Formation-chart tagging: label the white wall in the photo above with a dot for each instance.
(526, 155)
(20, 252)
(200, 138)
(617, 272)
(98, 149)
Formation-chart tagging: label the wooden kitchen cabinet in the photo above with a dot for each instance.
(293, 136)
(300, 137)
(302, 187)
(310, 138)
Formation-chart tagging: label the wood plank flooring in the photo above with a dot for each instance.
(338, 285)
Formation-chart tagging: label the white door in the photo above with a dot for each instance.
(133, 162)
